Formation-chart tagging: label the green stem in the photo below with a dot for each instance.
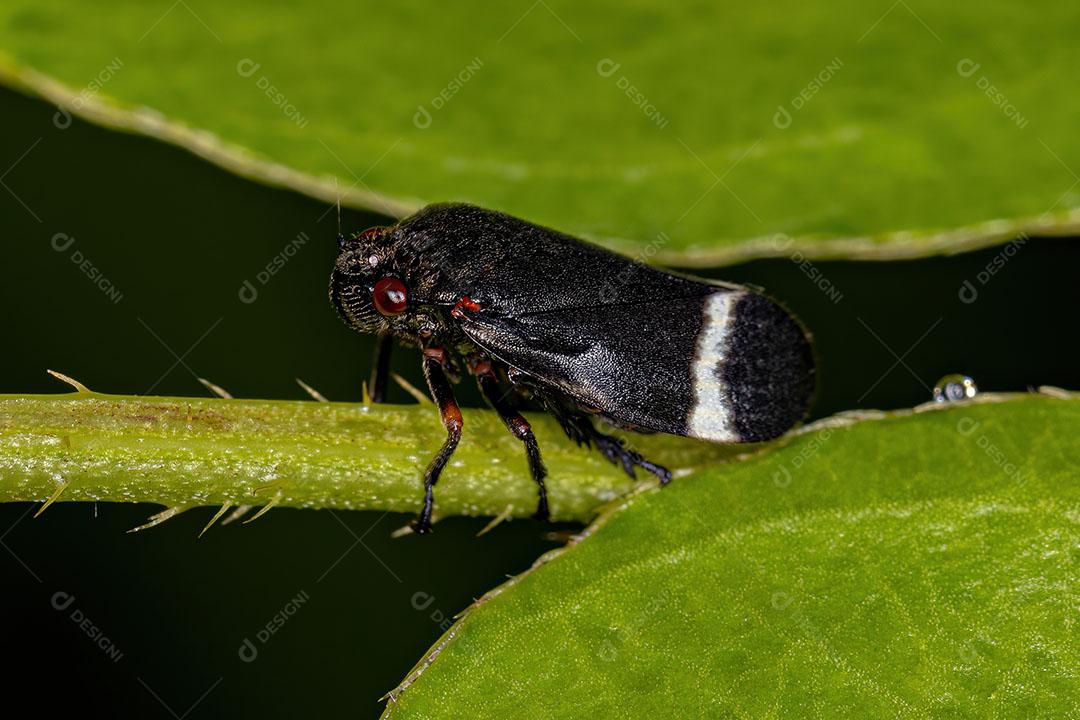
(187, 452)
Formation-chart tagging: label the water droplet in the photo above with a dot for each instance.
(954, 387)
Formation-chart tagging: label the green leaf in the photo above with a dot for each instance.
(693, 134)
(903, 565)
(190, 452)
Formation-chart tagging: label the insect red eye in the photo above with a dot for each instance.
(389, 296)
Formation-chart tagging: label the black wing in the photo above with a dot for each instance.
(731, 366)
(520, 267)
(643, 347)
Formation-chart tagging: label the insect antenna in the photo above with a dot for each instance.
(337, 192)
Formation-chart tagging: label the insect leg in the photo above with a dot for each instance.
(435, 373)
(519, 426)
(616, 451)
(581, 430)
(381, 370)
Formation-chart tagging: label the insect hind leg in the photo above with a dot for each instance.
(579, 428)
(615, 450)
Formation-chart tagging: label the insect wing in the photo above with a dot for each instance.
(725, 365)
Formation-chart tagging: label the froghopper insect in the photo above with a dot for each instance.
(538, 316)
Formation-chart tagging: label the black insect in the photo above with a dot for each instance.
(583, 332)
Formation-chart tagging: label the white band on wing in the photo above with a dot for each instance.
(710, 417)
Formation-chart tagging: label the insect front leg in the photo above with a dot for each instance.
(516, 424)
(380, 372)
(435, 364)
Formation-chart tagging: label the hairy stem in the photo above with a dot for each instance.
(187, 452)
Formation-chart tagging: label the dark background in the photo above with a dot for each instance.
(177, 237)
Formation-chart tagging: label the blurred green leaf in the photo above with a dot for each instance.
(694, 134)
(914, 565)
